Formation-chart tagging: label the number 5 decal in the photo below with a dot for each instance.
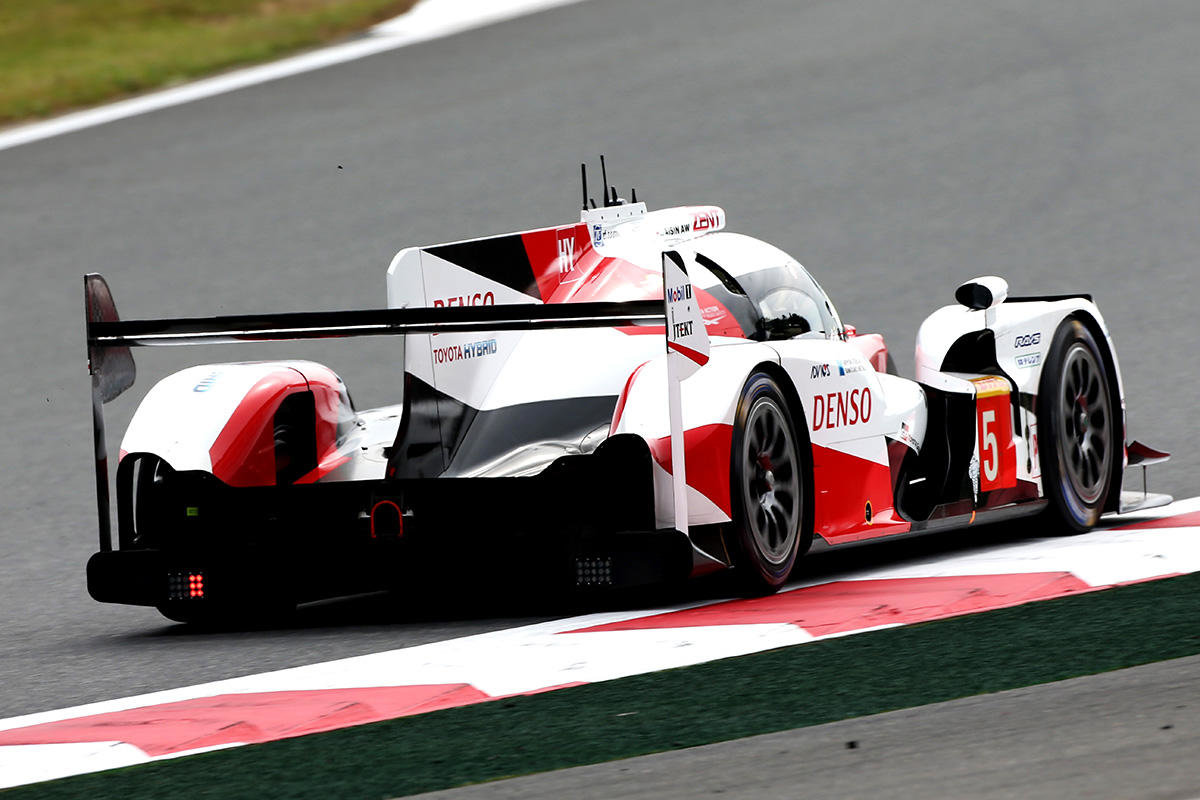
(993, 432)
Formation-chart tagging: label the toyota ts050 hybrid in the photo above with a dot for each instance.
(634, 398)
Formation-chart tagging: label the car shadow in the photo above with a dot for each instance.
(497, 601)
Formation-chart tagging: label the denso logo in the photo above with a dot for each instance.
(477, 299)
(839, 409)
(1028, 340)
(706, 221)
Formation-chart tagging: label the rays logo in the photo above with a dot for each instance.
(566, 257)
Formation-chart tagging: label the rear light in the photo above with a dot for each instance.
(387, 520)
(187, 585)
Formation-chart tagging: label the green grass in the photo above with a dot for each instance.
(778, 690)
(61, 54)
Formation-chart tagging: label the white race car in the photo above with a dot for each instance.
(634, 398)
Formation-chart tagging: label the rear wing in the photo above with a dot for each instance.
(112, 369)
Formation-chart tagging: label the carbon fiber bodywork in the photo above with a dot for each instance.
(308, 542)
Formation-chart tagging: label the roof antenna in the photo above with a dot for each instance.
(583, 174)
(616, 201)
(633, 194)
(604, 177)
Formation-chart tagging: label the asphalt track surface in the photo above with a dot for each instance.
(897, 148)
(1131, 733)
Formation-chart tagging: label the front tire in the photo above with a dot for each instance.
(769, 486)
(1077, 406)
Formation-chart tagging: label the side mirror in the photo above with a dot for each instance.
(984, 292)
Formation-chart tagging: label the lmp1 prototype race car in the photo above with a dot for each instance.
(634, 398)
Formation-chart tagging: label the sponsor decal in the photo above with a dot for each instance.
(1033, 462)
(678, 293)
(677, 230)
(566, 256)
(843, 368)
(601, 234)
(850, 367)
(477, 299)
(206, 382)
(1029, 360)
(706, 220)
(1028, 339)
(713, 316)
(464, 352)
(906, 436)
(841, 409)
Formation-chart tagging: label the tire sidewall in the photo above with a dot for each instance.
(758, 573)
(1056, 482)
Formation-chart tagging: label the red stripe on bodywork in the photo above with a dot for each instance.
(844, 484)
(623, 398)
(244, 452)
(689, 353)
(590, 277)
(845, 606)
(707, 449)
(323, 469)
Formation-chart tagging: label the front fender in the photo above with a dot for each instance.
(1022, 330)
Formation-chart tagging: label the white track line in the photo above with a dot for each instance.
(429, 19)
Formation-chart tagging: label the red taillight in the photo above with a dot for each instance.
(187, 585)
(387, 521)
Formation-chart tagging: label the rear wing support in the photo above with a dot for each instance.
(111, 365)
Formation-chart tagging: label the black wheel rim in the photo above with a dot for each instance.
(1084, 424)
(771, 484)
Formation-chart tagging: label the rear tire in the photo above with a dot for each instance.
(769, 487)
(1078, 433)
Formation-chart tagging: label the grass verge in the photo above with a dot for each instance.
(61, 54)
(777, 690)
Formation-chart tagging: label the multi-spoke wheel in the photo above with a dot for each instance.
(1078, 431)
(772, 523)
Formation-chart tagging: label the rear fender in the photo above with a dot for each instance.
(710, 399)
(221, 419)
